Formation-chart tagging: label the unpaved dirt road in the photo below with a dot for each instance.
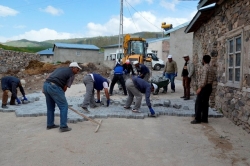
(165, 140)
(161, 141)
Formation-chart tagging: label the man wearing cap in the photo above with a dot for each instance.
(136, 86)
(170, 72)
(54, 89)
(10, 83)
(118, 76)
(187, 72)
(128, 68)
(142, 71)
(94, 81)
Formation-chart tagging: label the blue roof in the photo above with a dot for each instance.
(76, 46)
(113, 45)
(48, 51)
(176, 28)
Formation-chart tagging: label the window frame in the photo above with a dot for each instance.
(78, 53)
(233, 82)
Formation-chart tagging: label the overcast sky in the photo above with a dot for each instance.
(41, 20)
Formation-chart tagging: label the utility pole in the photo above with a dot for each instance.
(121, 26)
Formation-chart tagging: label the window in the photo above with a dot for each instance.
(78, 53)
(234, 60)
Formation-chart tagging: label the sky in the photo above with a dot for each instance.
(40, 20)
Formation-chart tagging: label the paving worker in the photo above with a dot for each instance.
(142, 71)
(54, 89)
(170, 72)
(118, 76)
(128, 68)
(136, 86)
(204, 91)
(10, 83)
(94, 81)
(187, 72)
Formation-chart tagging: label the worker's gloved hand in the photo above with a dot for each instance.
(108, 101)
(151, 111)
(163, 74)
(97, 101)
(24, 98)
(125, 71)
(175, 74)
(18, 101)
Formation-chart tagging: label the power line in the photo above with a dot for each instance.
(141, 15)
(132, 18)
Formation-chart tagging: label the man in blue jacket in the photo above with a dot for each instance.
(97, 82)
(118, 76)
(10, 83)
(54, 89)
(142, 71)
(136, 86)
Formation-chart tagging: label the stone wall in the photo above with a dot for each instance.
(231, 18)
(12, 60)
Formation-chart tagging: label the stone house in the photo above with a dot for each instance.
(81, 53)
(222, 30)
(180, 43)
(46, 55)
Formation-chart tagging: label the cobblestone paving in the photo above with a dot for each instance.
(162, 107)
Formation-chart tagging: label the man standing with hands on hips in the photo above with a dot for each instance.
(187, 72)
(170, 72)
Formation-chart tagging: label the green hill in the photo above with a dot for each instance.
(23, 49)
(99, 41)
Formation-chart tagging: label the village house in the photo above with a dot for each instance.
(81, 53)
(222, 30)
(46, 55)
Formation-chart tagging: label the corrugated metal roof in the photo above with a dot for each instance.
(48, 51)
(176, 28)
(112, 46)
(77, 46)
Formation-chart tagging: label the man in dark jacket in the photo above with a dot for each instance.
(97, 82)
(118, 76)
(136, 86)
(128, 68)
(142, 71)
(10, 83)
(54, 89)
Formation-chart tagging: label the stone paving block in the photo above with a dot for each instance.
(176, 106)
(26, 115)
(116, 103)
(7, 110)
(157, 104)
(167, 103)
(185, 108)
(33, 114)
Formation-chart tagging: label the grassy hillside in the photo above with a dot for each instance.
(23, 49)
(99, 41)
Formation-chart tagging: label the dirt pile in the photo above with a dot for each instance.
(36, 72)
